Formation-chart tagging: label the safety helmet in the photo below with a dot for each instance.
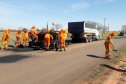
(33, 27)
(62, 31)
(112, 34)
(19, 30)
(25, 30)
(9, 30)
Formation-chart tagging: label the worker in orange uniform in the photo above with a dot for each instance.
(33, 32)
(5, 38)
(62, 40)
(25, 38)
(47, 41)
(108, 43)
(18, 37)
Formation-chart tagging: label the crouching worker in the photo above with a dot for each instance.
(47, 41)
(108, 44)
(62, 40)
(18, 37)
(5, 38)
(25, 38)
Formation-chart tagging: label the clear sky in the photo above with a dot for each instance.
(26, 13)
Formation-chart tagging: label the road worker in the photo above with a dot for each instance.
(62, 40)
(5, 38)
(18, 37)
(47, 40)
(108, 43)
(33, 32)
(25, 38)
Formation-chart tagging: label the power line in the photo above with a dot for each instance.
(35, 9)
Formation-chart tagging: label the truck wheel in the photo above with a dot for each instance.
(90, 39)
(85, 40)
(73, 40)
(96, 39)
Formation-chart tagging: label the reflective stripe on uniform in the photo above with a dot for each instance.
(63, 37)
(17, 41)
(19, 35)
(108, 40)
(3, 42)
(62, 45)
(2, 46)
(47, 43)
(106, 55)
(6, 46)
(47, 47)
(107, 50)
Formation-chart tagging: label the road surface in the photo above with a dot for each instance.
(28, 66)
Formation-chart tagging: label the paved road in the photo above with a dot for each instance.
(28, 66)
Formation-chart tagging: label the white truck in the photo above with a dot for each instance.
(82, 31)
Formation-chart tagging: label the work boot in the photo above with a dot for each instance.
(106, 57)
(64, 49)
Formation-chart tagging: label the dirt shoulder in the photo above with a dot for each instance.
(111, 71)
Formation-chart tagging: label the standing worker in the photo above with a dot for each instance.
(18, 37)
(107, 44)
(5, 38)
(25, 38)
(62, 40)
(33, 32)
(47, 40)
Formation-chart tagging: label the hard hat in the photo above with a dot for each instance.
(19, 30)
(9, 30)
(25, 30)
(33, 27)
(62, 31)
(112, 34)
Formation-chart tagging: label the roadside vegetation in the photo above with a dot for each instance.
(111, 71)
(104, 35)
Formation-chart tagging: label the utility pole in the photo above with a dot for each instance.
(108, 27)
(47, 25)
(104, 25)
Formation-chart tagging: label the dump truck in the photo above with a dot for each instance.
(83, 32)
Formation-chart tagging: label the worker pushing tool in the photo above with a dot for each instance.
(62, 40)
(25, 38)
(108, 44)
(18, 38)
(5, 38)
(33, 32)
(47, 40)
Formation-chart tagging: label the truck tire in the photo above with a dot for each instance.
(96, 39)
(73, 40)
(86, 39)
(90, 39)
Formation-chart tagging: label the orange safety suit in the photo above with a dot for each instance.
(108, 43)
(47, 41)
(18, 37)
(5, 38)
(62, 40)
(33, 32)
(25, 38)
